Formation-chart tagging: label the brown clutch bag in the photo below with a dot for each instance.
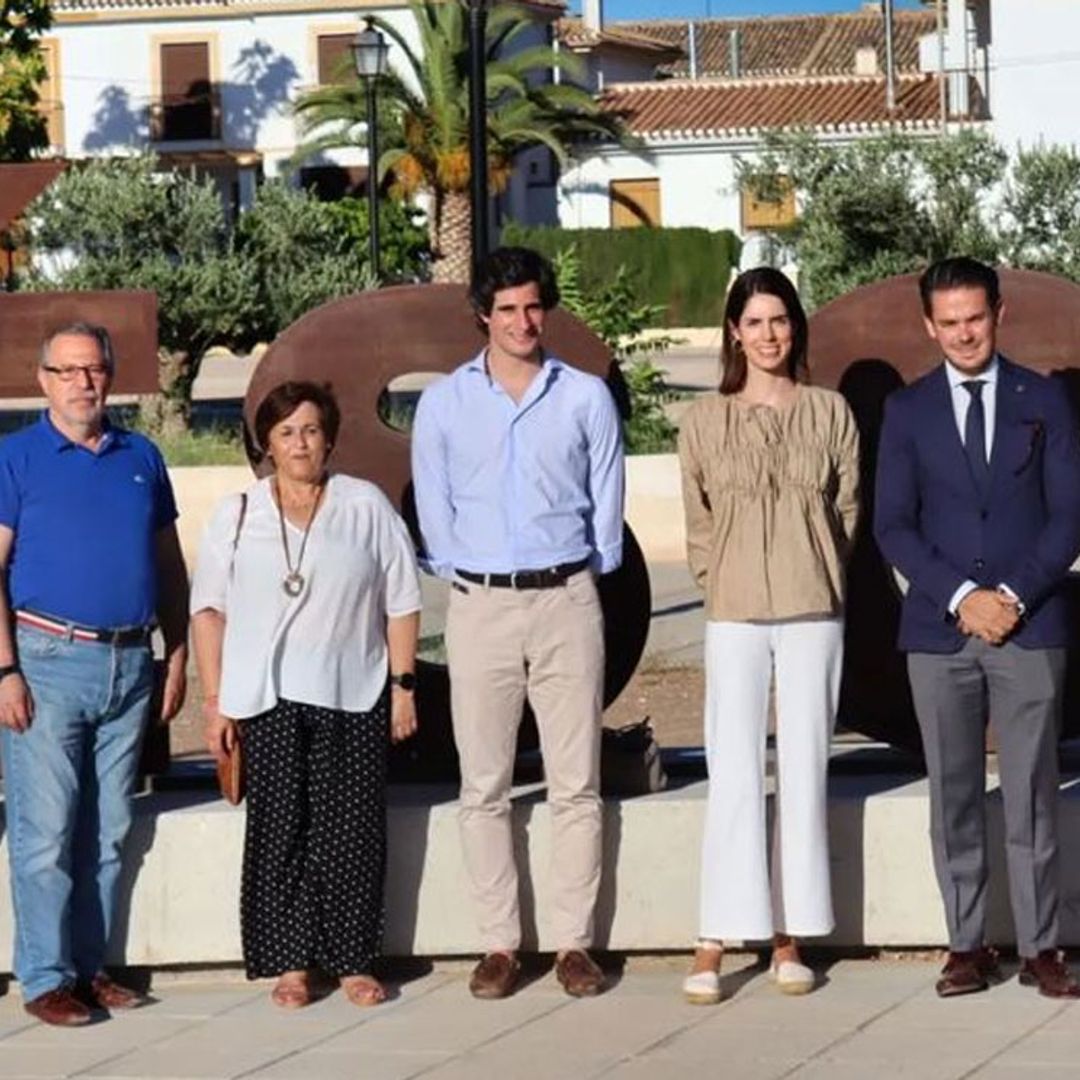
(230, 772)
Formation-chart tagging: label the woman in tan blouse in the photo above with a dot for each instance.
(770, 485)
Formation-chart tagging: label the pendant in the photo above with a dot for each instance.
(293, 583)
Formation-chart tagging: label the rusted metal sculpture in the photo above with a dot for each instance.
(359, 345)
(21, 184)
(27, 318)
(866, 344)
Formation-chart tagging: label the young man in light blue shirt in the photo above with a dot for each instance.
(518, 471)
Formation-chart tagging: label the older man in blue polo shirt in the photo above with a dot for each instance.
(90, 556)
(518, 467)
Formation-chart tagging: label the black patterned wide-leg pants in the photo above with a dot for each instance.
(315, 846)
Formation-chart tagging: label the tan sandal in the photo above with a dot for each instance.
(363, 990)
(292, 991)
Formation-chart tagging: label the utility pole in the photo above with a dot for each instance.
(478, 129)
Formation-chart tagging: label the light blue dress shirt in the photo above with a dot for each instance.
(503, 486)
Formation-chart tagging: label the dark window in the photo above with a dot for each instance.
(188, 108)
(333, 182)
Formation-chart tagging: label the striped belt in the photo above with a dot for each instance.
(125, 635)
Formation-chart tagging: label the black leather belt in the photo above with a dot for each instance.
(551, 578)
(127, 635)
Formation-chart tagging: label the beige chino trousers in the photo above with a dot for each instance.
(502, 646)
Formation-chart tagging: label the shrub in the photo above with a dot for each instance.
(682, 274)
(616, 314)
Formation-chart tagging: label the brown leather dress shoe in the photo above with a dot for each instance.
(968, 972)
(1048, 972)
(103, 992)
(579, 974)
(60, 1007)
(495, 976)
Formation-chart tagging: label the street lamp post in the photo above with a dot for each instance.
(369, 51)
(478, 128)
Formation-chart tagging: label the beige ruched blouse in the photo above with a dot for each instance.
(771, 499)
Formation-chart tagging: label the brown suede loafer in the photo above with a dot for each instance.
(579, 974)
(1048, 972)
(968, 972)
(495, 976)
(60, 1007)
(103, 992)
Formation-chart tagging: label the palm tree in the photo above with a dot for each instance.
(426, 144)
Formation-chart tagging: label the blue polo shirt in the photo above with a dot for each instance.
(84, 524)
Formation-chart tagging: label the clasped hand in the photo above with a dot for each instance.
(988, 614)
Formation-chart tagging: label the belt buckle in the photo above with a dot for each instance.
(514, 579)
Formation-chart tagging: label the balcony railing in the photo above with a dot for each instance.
(191, 117)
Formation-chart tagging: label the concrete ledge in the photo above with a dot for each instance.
(653, 503)
(182, 876)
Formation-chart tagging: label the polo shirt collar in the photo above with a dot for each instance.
(114, 436)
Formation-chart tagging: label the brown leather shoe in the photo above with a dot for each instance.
(579, 974)
(103, 992)
(968, 972)
(495, 976)
(1048, 972)
(60, 1007)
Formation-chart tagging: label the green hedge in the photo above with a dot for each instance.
(684, 270)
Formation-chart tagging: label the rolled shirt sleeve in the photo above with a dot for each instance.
(209, 583)
(431, 486)
(398, 562)
(607, 483)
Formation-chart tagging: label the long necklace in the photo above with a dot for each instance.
(293, 582)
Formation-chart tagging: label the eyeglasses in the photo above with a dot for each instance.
(68, 372)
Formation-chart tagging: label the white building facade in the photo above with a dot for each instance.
(210, 84)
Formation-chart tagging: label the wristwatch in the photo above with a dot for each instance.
(9, 669)
(405, 681)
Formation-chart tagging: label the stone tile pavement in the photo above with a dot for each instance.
(871, 1020)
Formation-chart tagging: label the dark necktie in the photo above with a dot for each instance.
(975, 434)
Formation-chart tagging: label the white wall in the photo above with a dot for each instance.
(1035, 71)
(697, 186)
(260, 61)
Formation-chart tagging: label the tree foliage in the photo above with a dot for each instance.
(619, 319)
(22, 69)
(121, 224)
(1042, 211)
(424, 109)
(881, 206)
(303, 252)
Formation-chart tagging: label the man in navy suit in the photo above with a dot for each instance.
(978, 506)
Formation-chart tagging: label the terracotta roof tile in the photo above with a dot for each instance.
(791, 45)
(683, 107)
(555, 7)
(574, 34)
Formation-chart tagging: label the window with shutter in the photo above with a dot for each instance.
(335, 59)
(188, 102)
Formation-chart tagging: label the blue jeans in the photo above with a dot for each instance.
(68, 783)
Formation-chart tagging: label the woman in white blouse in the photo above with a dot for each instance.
(305, 597)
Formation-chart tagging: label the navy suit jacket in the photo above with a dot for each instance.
(932, 525)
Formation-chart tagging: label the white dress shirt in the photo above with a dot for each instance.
(326, 646)
(961, 398)
(961, 402)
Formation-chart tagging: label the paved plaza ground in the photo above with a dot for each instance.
(871, 1020)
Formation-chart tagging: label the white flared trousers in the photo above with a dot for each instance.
(737, 899)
